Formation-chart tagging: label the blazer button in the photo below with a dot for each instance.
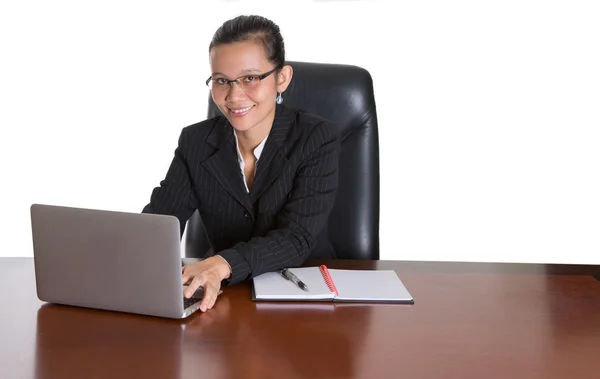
(246, 214)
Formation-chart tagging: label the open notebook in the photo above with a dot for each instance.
(332, 285)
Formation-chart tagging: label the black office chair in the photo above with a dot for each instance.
(344, 95)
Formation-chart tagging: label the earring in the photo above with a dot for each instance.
(279, 98)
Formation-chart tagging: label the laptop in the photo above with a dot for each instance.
(115, 261)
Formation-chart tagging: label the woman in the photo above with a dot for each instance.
(263, 176)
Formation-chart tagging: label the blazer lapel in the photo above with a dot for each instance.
(223, 165)
(272, 159)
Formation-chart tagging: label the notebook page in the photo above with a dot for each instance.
(273, 286)
(369, 285)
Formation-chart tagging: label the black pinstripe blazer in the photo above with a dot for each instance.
(282, 221)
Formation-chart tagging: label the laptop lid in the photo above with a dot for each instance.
(127, 262)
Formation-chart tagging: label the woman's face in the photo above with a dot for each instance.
(254, 105)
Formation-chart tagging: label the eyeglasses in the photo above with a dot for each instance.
(246, 82)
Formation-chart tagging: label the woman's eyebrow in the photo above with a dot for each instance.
(246, 71)
(250, 70)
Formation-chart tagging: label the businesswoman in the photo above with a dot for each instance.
(262, 176)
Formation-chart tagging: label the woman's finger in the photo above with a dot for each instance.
(210, 296)
(194, 285)
(187, 274)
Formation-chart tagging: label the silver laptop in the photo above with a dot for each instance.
(117, 261)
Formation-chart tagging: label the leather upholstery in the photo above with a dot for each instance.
(344, 95)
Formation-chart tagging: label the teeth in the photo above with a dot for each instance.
(241, 110)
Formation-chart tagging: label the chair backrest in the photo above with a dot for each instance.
(344, 95)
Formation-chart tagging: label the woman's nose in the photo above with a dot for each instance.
(234, 91)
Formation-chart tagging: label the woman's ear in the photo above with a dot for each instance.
(284, 77)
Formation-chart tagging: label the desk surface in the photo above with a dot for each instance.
(474, 320)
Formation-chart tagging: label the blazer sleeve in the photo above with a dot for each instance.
(175, 196)
(303, 217)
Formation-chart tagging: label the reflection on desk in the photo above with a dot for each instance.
(311, 341)
(75, 342)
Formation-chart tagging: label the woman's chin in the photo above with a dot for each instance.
(241, 126)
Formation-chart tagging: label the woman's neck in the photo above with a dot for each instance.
(248, 140)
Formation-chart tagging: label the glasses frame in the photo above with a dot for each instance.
(230, 82)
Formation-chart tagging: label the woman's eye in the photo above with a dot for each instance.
(221, 81)
(250, 79)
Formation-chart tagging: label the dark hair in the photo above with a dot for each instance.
(252, 28)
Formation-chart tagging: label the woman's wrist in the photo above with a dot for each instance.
(225, 271)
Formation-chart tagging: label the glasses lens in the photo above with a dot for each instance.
(249, 82)
(219, 85)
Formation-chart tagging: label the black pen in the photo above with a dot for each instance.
(290, 276)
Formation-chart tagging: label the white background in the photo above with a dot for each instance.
(488, 112)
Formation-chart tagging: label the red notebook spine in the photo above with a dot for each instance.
(328, 280)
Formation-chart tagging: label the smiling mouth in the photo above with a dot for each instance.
(240, 111)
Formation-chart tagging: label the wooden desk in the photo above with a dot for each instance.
(468, 321)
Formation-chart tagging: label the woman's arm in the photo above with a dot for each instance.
(175, 195)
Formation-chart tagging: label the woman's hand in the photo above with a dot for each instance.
(207, 273)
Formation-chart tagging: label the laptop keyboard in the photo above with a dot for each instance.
(189, 302)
